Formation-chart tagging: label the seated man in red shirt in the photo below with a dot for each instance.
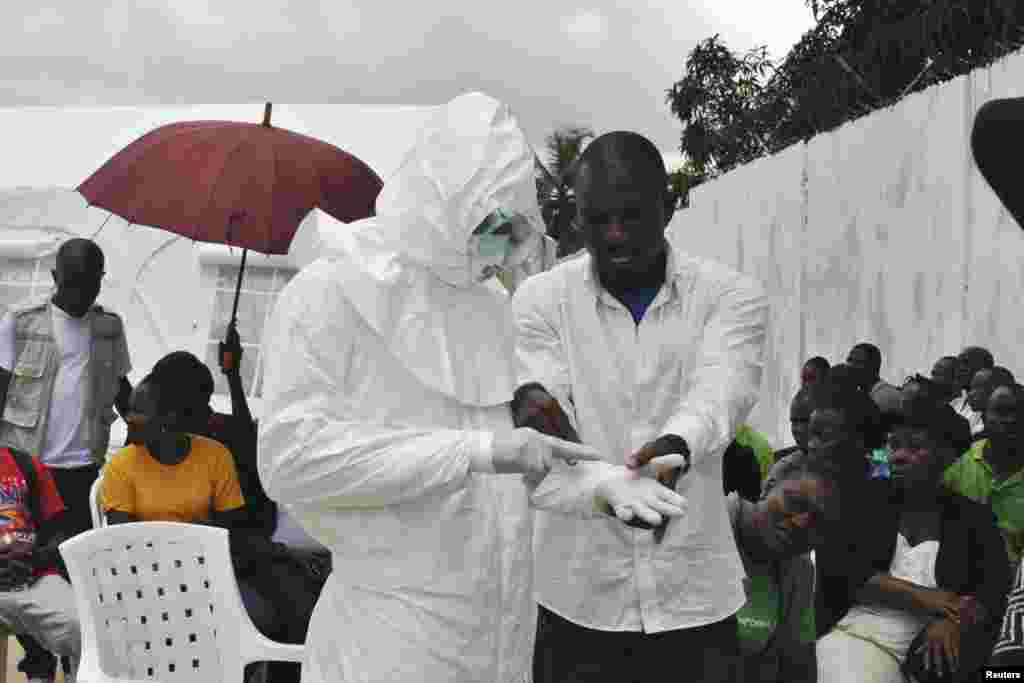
(35, 599)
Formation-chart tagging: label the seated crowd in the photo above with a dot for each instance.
(920, 530)
(910, 498)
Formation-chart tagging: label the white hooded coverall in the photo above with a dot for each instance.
(388, 368)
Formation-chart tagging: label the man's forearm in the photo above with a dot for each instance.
(888, 591)
(239, 403)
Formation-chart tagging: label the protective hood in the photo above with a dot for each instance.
(407, 270)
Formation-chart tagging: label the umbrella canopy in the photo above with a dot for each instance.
(242, 184)
(997, 141)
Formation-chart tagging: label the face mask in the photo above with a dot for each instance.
(493, 248)
(487, 254)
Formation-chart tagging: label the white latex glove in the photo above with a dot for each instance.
(629, 494)
(527, 451)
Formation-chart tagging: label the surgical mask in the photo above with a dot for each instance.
(493, 248)
(487, 254)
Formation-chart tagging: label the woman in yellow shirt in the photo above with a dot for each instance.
(168, 475)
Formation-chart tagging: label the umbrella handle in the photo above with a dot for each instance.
(228, 361)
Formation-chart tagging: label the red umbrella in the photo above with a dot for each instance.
(243, 184)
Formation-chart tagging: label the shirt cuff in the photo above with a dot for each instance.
(481, 457)
(694, 431)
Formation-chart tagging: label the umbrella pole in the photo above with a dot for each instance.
(238, 289)
(228, 347)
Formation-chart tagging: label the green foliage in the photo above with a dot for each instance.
(860, 56)
(554, 190)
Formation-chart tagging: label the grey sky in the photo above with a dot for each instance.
(603, 64)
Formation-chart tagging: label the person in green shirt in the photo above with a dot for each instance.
(774, 537)
(992, 471)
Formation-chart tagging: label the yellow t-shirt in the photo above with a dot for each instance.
(204, 482)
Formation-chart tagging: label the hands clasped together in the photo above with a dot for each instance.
(941, 644)
(642, 492)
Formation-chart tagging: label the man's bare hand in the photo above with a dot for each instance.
(668, 456)
(537, 409)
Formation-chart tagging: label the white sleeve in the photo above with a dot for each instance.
(540, 353)
(7, 342)
(728, 372)
(311, 449)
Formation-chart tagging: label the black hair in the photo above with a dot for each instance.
(979, 353)
(843, 376)
(939, 420)
(181, 371)
(873, 353)
(162, 399)
(1001, 377)
(182, 378)
(928, 386)
(623, 149)
(80, 249)
(1018, 394)
(818, 363)
(859, 412)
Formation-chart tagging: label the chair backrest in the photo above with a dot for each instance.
(159, 601)
(99, 519)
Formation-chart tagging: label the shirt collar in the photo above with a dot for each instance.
(673, 271)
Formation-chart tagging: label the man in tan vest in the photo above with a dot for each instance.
(63, 368)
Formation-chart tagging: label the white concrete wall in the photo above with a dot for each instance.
(883, 231)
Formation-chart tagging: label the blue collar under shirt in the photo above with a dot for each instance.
(638, 300)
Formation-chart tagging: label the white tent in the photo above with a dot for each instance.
(173, 293)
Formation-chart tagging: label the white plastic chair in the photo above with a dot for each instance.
(99, 519)
(158, 601)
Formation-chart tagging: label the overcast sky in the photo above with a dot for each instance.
(603, 64)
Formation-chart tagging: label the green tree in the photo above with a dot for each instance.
(717, 100)
(861, 55)
(683, 179)
(558, 205)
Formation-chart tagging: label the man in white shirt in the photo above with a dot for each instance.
(647, 349)
(63, 367)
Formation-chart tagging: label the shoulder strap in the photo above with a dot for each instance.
(28, 471)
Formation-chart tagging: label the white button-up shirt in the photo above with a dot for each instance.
(692, 367)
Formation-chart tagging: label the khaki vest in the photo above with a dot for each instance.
(23, 423)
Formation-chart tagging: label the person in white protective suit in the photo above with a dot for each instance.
(386, 426)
